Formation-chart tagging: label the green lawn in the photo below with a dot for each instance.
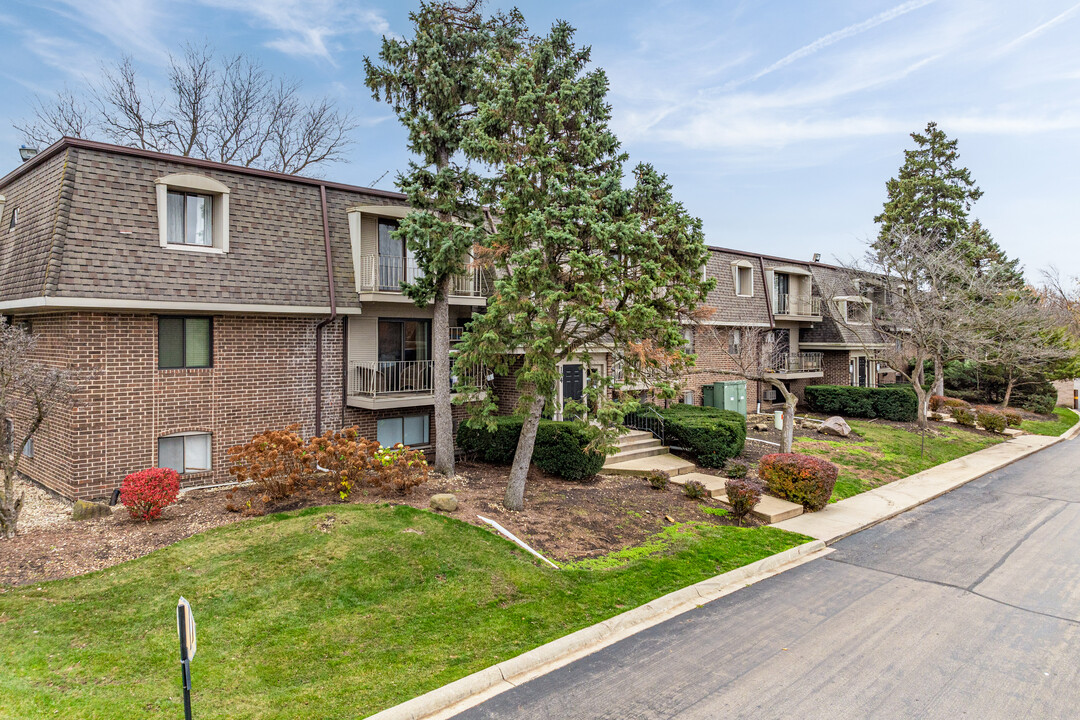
(298, 622)
(1065, 419)
(889, 453)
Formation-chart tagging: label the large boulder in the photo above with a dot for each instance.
(835, 426)
(85, 510)
(444, 502)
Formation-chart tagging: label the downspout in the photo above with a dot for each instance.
(772, 318)
(327, 321)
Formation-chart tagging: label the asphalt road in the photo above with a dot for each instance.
(965, 607)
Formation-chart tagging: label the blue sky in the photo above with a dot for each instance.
(778, 122)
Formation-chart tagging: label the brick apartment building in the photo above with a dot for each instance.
(202, 303)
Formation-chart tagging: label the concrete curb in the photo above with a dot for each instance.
(472, 689)
(1074, 430)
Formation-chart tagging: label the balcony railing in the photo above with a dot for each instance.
(386, 273)
(802, 305)
(796, 362)
(403, 377)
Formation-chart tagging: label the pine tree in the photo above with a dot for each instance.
(983, 254)
(931, 195)
(582, 263)
(434, 82)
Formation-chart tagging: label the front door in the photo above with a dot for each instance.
(860, 373)
(573, 382)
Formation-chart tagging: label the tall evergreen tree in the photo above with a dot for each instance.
(985, 256)
(434, 82)
(931, 195)
(582, 262)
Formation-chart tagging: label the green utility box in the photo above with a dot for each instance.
(730, 395)
(707, 396)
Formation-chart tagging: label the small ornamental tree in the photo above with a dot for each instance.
(146, 493)
(582, 264)
(30, 392)
(434, 83)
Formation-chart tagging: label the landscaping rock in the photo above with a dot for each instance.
(84, 510)
(835, 426)
(762, 427)
(444, 502)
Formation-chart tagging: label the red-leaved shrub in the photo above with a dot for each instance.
(937, 402)
(146, 493)
(1013, 417)
(956, 403)
(742, 496)
(802, 479)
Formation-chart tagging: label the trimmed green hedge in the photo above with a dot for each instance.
(711, 435)
(889, 403)
(559, 449)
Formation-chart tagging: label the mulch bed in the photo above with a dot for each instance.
(562, 520)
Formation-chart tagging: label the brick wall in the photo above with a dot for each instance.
(714, 364)
(263, 377)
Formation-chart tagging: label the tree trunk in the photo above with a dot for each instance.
(1008, 392)
(939, 376)
(10, 507)
(440, 348)
(788, 438)
(923, 398)
(515, 488)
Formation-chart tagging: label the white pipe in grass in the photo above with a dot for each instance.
(767, 442)
(516, 540)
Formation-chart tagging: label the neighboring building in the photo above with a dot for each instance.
(1068, 393)
(194, 299)
(786, 296)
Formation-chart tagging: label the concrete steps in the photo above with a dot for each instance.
(642, 466)
(769, 509)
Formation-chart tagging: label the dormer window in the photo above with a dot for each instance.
(743, 275)
(191, 219)
(193, 213)
(858, 311)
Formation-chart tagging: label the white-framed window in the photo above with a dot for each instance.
(857, 311)
(193, 213)
(28, 448)
(688, 338)
(185, 452)
(411, 430)
(734, 341)
(743, 274)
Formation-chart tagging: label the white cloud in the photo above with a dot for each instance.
(1042, 28)
(131, 25)
(842, 34)
(306, 28)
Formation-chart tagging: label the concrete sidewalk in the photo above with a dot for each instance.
(843, 518)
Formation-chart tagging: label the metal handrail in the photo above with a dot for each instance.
(646, 419)
(797, 362)
(803, 305)
(386, 273)
(404, 377)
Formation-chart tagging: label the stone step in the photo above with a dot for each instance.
(671, 464)
(638, 443)
(642, 452)
(769, 509)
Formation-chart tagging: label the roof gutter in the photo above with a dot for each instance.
(327, 321)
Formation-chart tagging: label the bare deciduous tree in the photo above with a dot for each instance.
(30, 392)
(757, 356)
(230, 110)
(923, 298)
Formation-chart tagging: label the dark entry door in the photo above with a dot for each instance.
(573, 381)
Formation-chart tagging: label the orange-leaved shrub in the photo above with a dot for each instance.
(147, 492)
(802, 479)
(937, 402)
(277, 461)
(956, 403)
(346, 460)
(742, 496)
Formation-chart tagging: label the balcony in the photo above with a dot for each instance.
(796, 365)
(376, 384)
(786, 305)
(384, 274)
